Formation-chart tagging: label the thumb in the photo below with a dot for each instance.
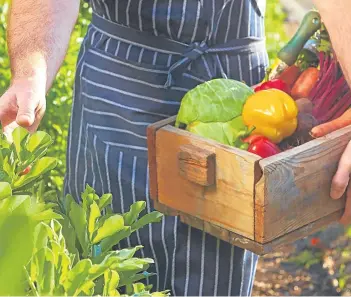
(27, 103)
(342, 177)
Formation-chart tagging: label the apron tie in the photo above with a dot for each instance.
(198, 49)
(188, 52)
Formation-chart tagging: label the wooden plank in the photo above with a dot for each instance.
(223, 234)
(151, 144)
(302, 232)
(197, 165)
(294, 189)
(229, 203)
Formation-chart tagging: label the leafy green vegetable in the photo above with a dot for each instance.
(218, 100)
(230, 133)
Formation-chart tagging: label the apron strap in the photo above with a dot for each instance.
(187, 52)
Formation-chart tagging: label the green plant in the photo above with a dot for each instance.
(61, 247)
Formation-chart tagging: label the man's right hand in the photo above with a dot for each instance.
(23, 104)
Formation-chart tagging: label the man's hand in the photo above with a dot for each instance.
(335, 15)
(340, 184)
(38, 37)
(23, 104)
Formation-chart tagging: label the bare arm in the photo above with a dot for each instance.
(38, 36)
(336, 16)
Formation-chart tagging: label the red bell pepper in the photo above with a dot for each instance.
(274, 84)
(261, 146)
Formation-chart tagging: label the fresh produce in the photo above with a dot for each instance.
(331, 95)
(305, 83)
(304, 105)
(272, 113)
(230, 133)
(274, 84)
(213, 110)
(289, 54)
(261, 146)
(304, 94)
(290, 75)
(341, 122)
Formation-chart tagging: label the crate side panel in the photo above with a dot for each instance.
(228, 204)
(151, 145)
(294, 190)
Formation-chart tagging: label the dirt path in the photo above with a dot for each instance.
(319, 265)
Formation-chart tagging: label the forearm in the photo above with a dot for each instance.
(38, 36)
(336, 16)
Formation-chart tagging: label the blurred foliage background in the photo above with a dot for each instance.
(59, 98)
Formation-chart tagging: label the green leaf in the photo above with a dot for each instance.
(111, 226)
(77, 276)
(69, 234)
(138, 288)
(111, 278)
(48, 284)
(94, 215)
(109, 242)
(41, 236)
(78, 219)
(135, 209)
(41, 167)
(229, 133)
(5, 190)
(153, 217)
(218, 100)
(105, 200)
(20, 135)
(38, 141)
(47, 215)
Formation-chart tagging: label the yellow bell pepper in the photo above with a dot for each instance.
(272, 113)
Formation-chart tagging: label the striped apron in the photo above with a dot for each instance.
(136, 62)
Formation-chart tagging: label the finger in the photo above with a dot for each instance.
(342, 176)
(8, 108)
(38, 117)
(27, 105)
(8, 129)
(346, 218)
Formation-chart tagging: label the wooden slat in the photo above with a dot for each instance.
(302, 232)
(151, 144)
(294, 189)
(229, 203)
(197, 165)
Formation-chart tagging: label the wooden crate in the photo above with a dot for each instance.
(258, 204)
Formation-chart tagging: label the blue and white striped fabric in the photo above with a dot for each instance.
(137, 61)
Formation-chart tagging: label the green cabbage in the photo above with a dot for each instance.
(229, 133)
(213, 110)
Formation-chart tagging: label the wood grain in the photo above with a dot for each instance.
(197, 165)
(302, 232)
(151, 144)
(229, 203)
(294, 189)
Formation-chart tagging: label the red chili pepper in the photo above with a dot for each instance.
(262, 146)
(274, 84)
